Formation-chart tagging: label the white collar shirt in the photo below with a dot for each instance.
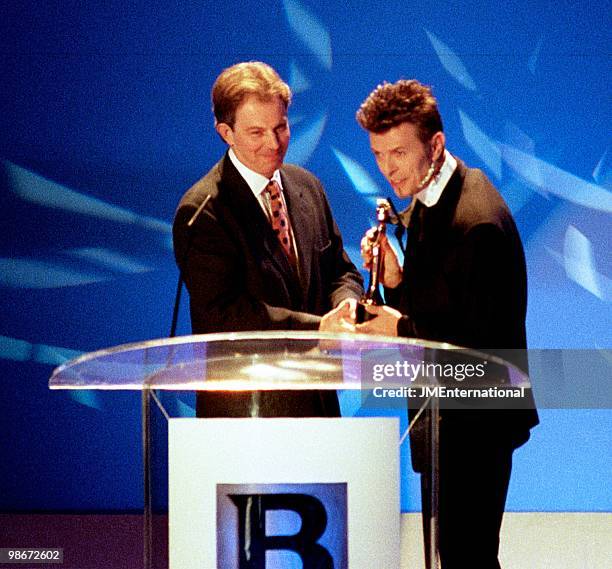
(258, 183)
(430, 194)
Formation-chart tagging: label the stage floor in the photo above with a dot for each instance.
(114, 541)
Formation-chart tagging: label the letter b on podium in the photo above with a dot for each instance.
(267, 526)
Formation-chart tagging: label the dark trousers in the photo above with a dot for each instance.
(473, 484)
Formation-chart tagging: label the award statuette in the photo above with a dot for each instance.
(372, 296)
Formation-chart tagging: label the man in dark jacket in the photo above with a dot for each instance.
(265, 252)
(463, 281)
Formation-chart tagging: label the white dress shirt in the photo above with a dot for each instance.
(258, 184)
(430, 194)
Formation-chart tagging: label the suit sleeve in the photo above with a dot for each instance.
(345, 280)
(215, 272)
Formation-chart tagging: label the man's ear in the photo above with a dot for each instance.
(438, 142)
(225, 132)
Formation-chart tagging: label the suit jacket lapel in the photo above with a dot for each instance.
(253, 221)
(300, 219)
(241, 201)
(441, 215)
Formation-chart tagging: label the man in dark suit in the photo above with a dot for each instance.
(265, 253)
(463, 281)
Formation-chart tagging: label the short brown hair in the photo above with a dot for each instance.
(391, 104)
(241, 80)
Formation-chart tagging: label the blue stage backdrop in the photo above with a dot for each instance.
(105, 121)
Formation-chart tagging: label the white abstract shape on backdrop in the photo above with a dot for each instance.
(549, 179)
(357, 174)
(518, 138)
(297, 79)
(305, 142)
(184, 410)
(580, 266)
(109, 259)
(22, 351)
(310, 32)
(539, 174)
(452, 62)
(15, 350)
(37, 189)
(532, 62)
(598, 170)
(36, 274)
(86, 397)
(483, 146)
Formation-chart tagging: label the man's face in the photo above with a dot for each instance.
(403, 158)
(260, 135)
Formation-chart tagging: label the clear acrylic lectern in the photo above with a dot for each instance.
(387, 373)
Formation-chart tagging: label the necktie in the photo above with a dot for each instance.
(280, 220)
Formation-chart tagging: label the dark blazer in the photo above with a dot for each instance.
(465, 282)
(238, 276)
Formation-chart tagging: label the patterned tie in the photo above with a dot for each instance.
(280, 220)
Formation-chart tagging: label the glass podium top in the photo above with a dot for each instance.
(285, 360)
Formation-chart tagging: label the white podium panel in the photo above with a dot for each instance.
(308, 491)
